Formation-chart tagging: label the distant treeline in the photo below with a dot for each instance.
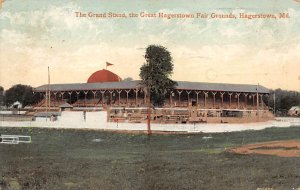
(284, 99)
(20, 93)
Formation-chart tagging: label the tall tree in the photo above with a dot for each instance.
(1, 96)
(155, 73)
(19, 92)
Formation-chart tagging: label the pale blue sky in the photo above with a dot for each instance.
(38, 33)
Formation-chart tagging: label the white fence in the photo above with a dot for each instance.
(14, 139)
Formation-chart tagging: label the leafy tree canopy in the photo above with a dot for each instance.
(284, 100)
(19, 92)
(155, 73)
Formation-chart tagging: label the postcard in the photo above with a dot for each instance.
(149, 94)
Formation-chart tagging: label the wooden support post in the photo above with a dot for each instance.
(246, 99)
(70, 96)
(102, 97)
(55, 93)
(46, 95)
(85, 93)
(222, 98)
(179, 94)
(94, 101)
(188, 93)
(127, 92)
(253, 99)
(257, 105)
(119, 92)
(62, 96)
(230, 94)
(214, 101)
(197, 100)
(110, 102)
(238, 100)
(136, 96)
(77, 96)
(49, 99)
(205, 96)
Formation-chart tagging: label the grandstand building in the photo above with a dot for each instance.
(125, 101)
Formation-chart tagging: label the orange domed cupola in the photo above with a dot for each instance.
(104, 76)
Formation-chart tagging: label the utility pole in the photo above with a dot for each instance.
(257, 101)
(149, 113)
(274, 107)
(46, 97)
(48, 90)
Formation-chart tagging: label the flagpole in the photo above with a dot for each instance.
(149, 112)
(48, 98)
(257, 100)
(274, 104)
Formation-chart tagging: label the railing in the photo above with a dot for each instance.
(14, 139)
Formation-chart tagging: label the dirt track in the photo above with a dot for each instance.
(288, 148)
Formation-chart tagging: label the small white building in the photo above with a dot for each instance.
(294, 111)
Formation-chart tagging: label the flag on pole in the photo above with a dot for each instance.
(108, 64)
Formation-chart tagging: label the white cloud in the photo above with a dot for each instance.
(230, 32)
(14, 37)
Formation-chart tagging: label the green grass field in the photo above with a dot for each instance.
(70, 159)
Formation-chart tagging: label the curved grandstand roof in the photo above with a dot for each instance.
(182, 85)
(104, 76)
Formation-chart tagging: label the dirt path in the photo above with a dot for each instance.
(288, 148)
